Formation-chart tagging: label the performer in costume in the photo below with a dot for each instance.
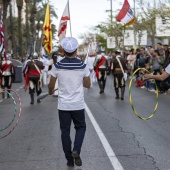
(101, 65)
(90, 65)
(8, 72)
(32, 72)
(119, 81)
(44, 59)
(57, 57)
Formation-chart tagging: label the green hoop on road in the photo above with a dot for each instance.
(130, 96)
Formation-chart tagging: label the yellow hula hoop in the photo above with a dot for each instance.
(130, 97)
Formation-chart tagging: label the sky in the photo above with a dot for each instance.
(85, 14)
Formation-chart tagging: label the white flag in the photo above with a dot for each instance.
(63, 23)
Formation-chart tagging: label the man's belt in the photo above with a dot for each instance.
(117, 69)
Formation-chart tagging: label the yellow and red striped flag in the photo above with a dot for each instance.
(47, 31)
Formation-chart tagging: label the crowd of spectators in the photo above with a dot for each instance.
(153, 60)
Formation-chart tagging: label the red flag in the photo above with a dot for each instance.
(126, 15)
(2, 37)
(63, 23)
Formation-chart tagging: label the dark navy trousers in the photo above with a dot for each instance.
(78, 118)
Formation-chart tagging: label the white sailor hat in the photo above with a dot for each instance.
(69, 44)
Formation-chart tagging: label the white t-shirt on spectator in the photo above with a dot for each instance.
(167, 69)
(70, 73)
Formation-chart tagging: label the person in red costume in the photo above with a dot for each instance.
(32, 73)
(101, 65)
(7, 71)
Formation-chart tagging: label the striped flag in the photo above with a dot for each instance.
(2, 38)
(47, 31)
(126, 15)
(63, 23)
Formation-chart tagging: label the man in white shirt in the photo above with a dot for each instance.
(46, 63)
(72, 75)
(90, 64)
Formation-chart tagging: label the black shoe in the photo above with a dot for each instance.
(3, 95)
(116, 97)
(38, 101)
(32, 98)
(70, 163)
(122, 98)
(101, 91)
(77, 158)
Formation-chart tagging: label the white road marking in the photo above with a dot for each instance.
(111, 155)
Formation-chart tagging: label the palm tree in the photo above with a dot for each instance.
(5, 4)
(20, 6)
(12, 32)
(27, 24)
(32, 20)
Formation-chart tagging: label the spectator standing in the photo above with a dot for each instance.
(156, 62)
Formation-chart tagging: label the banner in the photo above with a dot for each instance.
(47, 31)
(111, 42)
(162, 26)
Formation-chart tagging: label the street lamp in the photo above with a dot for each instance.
(111, 15)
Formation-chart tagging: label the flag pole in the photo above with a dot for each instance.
(124, 37)
(134, 25)
(70, 18)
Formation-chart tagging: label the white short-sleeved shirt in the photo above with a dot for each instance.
(90, 62)
(167, 69)
(70, 73)
(45, 62)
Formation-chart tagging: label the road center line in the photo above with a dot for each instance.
(111, 155)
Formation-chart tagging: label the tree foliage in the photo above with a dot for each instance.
(35, 15)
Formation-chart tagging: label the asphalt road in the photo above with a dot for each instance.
(35, 143)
